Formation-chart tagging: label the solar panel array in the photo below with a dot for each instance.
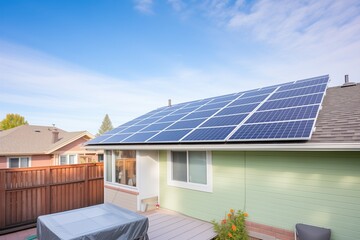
(276, 113)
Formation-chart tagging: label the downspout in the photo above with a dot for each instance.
(245, 190)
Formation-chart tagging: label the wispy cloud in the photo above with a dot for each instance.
(302, 36)
(177, 5)
(144, 6)
(47, 90)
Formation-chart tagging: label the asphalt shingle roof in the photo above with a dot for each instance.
(30, 139)
(339, 118)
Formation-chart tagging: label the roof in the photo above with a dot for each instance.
(337, 128)
(339, 118)
(30, 139)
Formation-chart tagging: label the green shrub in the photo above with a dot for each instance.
(232, 226)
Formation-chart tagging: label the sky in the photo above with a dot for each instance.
(69, 62)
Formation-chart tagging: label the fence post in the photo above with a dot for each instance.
(2, 198)
(48, 190)
(87, 192)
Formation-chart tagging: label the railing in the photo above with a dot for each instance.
(26, 193)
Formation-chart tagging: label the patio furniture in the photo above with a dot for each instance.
(308, 232)
(104, 221)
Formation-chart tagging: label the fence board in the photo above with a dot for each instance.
(26, 193)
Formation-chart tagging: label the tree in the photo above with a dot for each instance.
(105, 126)
(12, 120)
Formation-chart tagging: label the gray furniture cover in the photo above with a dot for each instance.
(104, 221)
(308, 232)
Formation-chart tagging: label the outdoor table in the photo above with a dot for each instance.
(104, 221)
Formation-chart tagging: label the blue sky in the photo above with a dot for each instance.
(70, 62)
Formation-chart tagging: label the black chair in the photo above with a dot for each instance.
(308, 232)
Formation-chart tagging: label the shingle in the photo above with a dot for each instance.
(30, 139)
(339, 118)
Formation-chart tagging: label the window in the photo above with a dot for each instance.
(190, 169)
(67, 159)
(121, 167)
(18, 162)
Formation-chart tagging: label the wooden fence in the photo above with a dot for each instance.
(27, 193)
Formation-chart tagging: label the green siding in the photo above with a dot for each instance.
(278, 189)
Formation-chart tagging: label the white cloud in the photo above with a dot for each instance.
(144, 6)
(47, 90)
(177, 5)
(303, 38)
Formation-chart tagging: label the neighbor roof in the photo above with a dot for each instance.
(30, 139)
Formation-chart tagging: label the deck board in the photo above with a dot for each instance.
(165, 225)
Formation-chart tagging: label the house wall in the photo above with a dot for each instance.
(121, 197)
(148, 176)
(277, 189)
(36, 160)
(42, 160)
(3, 163)
(75, 147)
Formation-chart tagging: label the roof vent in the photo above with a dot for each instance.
(169, 103)
(37, 131)
(347, 83)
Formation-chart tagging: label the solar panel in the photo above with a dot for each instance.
(256, 99)
(300, 91)
(224, 120)
(286, 111)
(276, 130)
(185, 124)
(169, 136)
(237, 109)
(209, 134)
(284, 114)
(292, 102)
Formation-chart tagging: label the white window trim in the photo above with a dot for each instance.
(8, 160)
(68, 158)
(113, 181)
(189, 185)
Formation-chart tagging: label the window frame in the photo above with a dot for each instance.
(189, 185)
(67, 159)
(113, 169)
(28, 157)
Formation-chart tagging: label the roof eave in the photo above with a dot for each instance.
(235, 147)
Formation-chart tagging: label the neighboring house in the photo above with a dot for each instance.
(34, 146)
(278, 182)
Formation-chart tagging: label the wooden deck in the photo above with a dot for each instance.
(163, 225)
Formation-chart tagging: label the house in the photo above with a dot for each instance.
(302, 167)
(34, 146)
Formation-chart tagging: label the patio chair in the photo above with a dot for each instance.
(308, 232)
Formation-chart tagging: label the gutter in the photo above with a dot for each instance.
(235, 147)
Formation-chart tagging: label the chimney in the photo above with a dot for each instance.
(347, 83)
(169, 103)
(55, 136)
